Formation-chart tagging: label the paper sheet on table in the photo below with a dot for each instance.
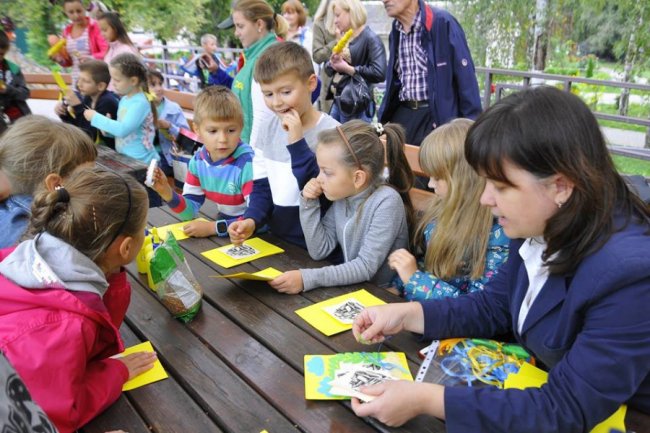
(319, 318)
(154, 375)
(176, 229)
(530, 376)
(267, 274)
(262, 249)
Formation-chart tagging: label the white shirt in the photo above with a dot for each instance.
(531, 253)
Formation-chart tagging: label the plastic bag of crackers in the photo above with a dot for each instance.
(174, 282)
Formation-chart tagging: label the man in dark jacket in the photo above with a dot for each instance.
(430, 78)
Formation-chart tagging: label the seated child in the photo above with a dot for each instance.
(208, 67)
(367, 218)
(36, 153)
(13, 90)
(221, 170)
(170, 120)
(284, 161)
(65, 293)
(92, 83)
(133, 128)
(464, 244)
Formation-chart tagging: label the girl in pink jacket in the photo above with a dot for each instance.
(64, 294)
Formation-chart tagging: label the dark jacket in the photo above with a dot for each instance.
(590, 328)
(106, 104)
(451, 82)
(16, 92)
(368, 58)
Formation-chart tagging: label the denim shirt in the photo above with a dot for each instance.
(423, 285)
(14, 214)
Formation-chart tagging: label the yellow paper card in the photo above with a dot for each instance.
(176, 229)
(267, 274)
(59, 81)
(154, 375)
(231, 255)
(318, 317)
(530, 376)
(320, 370)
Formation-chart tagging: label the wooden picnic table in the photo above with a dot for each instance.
(238, 367)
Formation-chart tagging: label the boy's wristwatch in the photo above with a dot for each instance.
(221, 227)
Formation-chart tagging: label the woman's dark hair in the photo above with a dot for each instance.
(113, 20)
(546, 131)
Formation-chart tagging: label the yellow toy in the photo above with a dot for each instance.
(342, 43)
(56, 48)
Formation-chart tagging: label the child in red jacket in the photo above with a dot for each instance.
(64, 294)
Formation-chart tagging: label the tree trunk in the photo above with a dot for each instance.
(540, 35)
(165, 56)
(630, 60)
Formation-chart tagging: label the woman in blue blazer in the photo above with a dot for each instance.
(576, 294)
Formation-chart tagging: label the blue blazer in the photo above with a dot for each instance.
(592, 329)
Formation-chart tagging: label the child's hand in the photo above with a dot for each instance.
(161, 186)
(404, 263)
(163, 124)
(60, 109)
(312, 189)
(239, 231)
(71, 97)
(200, 229)
(88, 114)
(290, 282)
(138, 363)
(293, 125)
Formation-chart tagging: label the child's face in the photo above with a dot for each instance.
(220, 137)
(336, 179)
(287, 92)
(75, 12)
(107, 31)
(439, 186)
(87, 86)
(210, 46)
(156, 87)
(122, 84)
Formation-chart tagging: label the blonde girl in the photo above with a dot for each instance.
(65, 294)
(134, 127)
(367, 218)
(36, 153)
(463, 244)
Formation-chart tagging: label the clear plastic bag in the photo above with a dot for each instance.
(174, 282)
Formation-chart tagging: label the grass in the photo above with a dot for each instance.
(628, 165)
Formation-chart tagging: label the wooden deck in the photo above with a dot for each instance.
(238, 367)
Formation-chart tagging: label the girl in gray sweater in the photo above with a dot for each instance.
(368, 217)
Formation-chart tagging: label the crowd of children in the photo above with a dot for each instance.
(340, 191)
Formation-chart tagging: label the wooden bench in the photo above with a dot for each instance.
(43, 86)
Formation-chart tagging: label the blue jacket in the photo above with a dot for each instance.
(15, 212)
(590, 328)
(453, 90)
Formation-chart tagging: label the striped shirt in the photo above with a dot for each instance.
(227, 182)
(412, 62)
(77, 48)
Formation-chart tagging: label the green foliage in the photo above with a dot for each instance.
(631, 165)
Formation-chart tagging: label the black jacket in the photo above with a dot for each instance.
(368, 57)
(107, 103)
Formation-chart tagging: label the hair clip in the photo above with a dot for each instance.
(62, 194)
(379, 128)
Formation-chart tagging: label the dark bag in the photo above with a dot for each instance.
(355, 98)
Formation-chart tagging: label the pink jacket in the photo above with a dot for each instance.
(96, 41)
(59, 342)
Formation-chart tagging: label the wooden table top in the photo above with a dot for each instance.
(238, 367)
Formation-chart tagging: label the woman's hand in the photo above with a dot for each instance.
(374, 324)
(312, 190)
(290, 282)
(403, 263)
(139, 362)
(397, 401)
(340, 65)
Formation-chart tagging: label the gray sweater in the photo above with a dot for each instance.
(366, 241)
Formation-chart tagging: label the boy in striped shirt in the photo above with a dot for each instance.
(220, 171)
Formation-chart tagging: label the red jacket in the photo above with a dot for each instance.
(96, 42)
(59, 342)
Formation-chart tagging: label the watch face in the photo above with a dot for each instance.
(222, 227)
